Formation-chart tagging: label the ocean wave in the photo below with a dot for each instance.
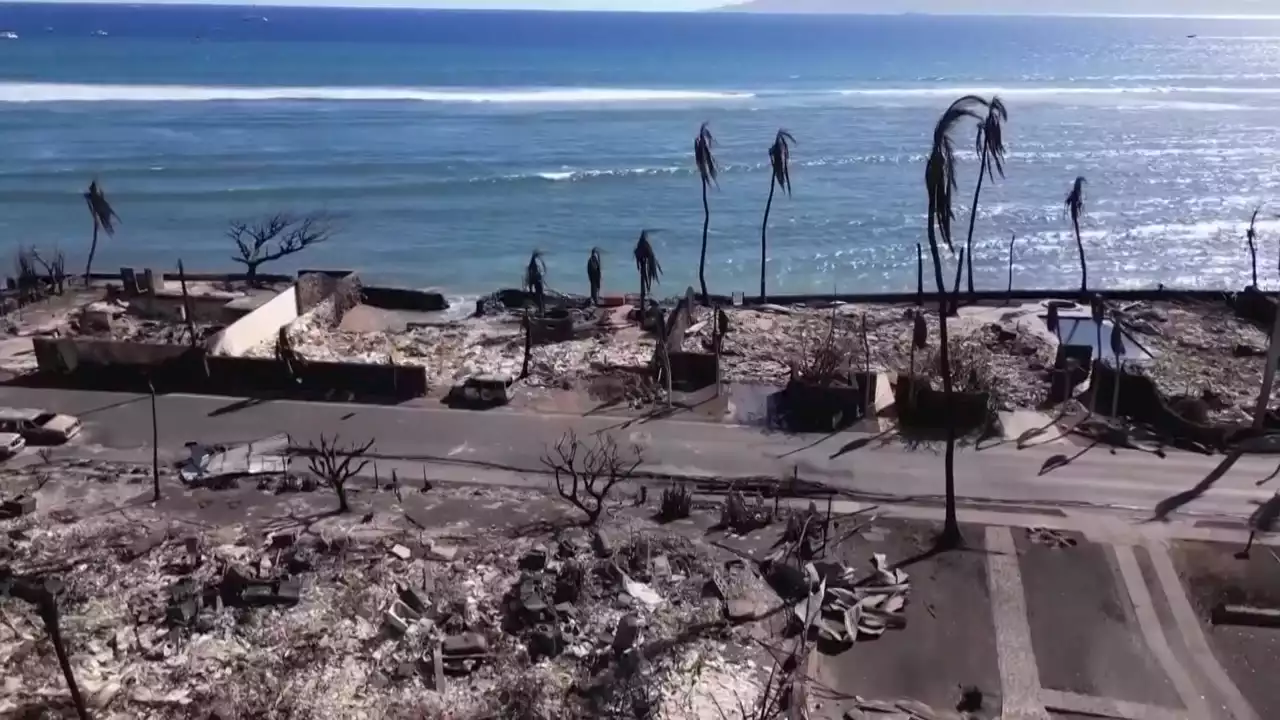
(955, 91)
(15, 92)
(568, 175)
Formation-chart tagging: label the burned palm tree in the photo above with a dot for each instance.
(593, 274)
(1252, 236)
(708, 173)
(990, 148)
(649, 268)
(1075, 206)
(535, 276)
(780, 177)
(104, 218)
(940, 183)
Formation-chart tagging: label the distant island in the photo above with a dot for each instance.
(1009, 7)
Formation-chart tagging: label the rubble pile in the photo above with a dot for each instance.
(762, 342)
(1202, 350)
(476, 346)
(163, 619)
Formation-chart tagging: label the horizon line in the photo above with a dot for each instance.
(723, 9)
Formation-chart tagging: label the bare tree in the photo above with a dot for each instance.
(335, 464)
(28, 279)
(280, 235)
(586, 475)
(55, 269)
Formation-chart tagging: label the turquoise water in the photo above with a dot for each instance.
(448, 145)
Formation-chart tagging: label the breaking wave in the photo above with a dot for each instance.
(954, 91)
(11, 92)
(568, 175)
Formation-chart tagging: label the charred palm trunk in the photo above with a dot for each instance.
(1253, 262)
(973, 213)
(951, 528)
(49, 614)
(528, 343)
(702, 260)
(155, 446)
(93, 248)
(1009, 292)
(1084, 269)
(919, 276)
(955, 294)
(764, 238)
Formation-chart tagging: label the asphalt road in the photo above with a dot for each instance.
(484, 442)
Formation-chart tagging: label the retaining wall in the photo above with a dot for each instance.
(128, 367)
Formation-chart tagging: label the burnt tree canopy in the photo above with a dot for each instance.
(262, 241)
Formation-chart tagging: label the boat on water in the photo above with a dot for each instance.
(8, 35)
(101, 33)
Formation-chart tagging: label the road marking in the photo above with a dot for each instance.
(1019, 674)
(1193, 634)
(1064, 702)
(1149, 624)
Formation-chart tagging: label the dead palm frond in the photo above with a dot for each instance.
(103, 214)
(780, 159)
(780, 177)
(991, 152)
(535, 277)
(1252, 236)
(940, 171)
(1075, 207)
(648, 267)
(708, 172)
(593, 274)
(104, 217)
(708, 168)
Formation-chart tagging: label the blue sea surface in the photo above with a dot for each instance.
(449, 145)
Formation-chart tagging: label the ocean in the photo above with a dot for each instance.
(446, 146)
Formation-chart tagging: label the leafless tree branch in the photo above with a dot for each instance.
(585, 475)
(263, 241)
(335, 464)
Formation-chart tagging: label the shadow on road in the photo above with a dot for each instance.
(111, 406)
(1060, 461)
(859, 443)
(1172, 503)
(236, 406)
